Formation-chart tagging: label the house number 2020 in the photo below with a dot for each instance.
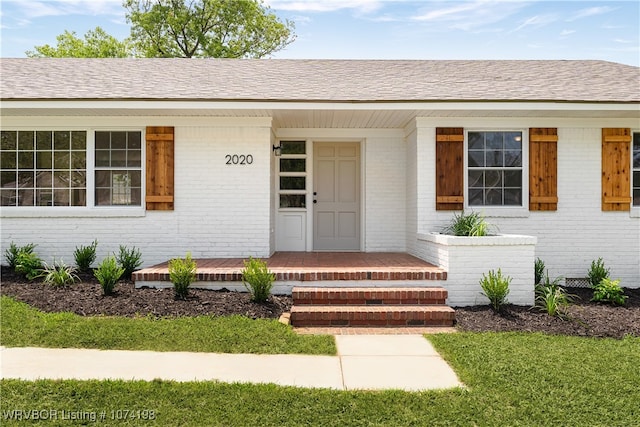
(238, 159)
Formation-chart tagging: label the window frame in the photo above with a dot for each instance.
(497, 210)
(279, 174)
(90, 209)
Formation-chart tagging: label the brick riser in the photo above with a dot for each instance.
(301, 276)
(406, 315)
(369, 296)
(399, 307)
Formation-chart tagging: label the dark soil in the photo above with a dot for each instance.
(86, 299)
(583, 318)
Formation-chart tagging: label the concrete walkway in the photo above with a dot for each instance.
(371, 362)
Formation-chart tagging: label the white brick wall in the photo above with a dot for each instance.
(220, 210)
(385, 194)
(569, 238)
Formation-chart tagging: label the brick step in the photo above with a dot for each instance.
(368, 296)
(372, 315)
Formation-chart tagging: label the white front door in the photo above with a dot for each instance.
(336, 196)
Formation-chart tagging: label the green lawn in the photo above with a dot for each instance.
(513, 379)
(24, 326)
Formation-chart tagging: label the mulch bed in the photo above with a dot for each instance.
(584, 318)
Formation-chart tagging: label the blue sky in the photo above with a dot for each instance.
(383, 29)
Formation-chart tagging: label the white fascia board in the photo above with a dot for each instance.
(297, 105)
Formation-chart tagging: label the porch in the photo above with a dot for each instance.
(310, 267)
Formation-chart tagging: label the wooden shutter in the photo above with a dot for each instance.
(543, 169)
(160, 151)
(616, 175)
(449, 169)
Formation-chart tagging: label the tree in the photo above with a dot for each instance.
(96, 44)
(206, 28)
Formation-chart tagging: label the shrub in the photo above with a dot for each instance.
(552, 298)
(182, 273)
(597, 272)
(129, 259)
(472, 224)
(28, 264)
(59, 274)
(108, 273)
(85, 256)
(609, 291)
(495, 286)
(11, 254)
(257, 279)
(539, 269)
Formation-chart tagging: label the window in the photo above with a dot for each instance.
(118, 168)
(43, 168)
(636, 169)
(293, 175)
(494, 168)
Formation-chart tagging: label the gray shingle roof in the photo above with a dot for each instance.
(318, 80)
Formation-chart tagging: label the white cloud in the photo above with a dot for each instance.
(536, 21)
(624, 41)
(565, 33)
(469, 15)
(591, 11)
(362, 6)
(36, 9)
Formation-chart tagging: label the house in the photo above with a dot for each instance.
(237, 158)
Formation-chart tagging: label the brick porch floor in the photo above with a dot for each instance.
(311, 266)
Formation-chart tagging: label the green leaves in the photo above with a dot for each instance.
(96, 44)
(206, 28)
(108, 273)
(495, 286)
(609, 291)
(182, 272)
(473, 225)
(257, 279)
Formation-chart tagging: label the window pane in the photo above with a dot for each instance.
(292, 182)
(493, 197)
(103, 158)
(293, 200)
(26, 140)
(136, 197)
(494, 140)
(8, 160)
(26, 197)
(78, 140)
(8, 179)
(103, 141)
(476, 141)
(118, 140)
(8, 197)
(61, 140)
(476, 197)
(26, 179)
(44, 197)
(43, 140)
(61, 179)
(134, 140)
(476, 159)
(44, 179)
(293, 147)
(61, 197)
(476, 179)
(25, 159)
(134, 158)
(61, 160)
(494, 158)
(78, 197)
(136, 178)
(118, 158)
(636, 197)
(293, 165)
(8, 140)
(636, 159)
(512, 197)
(513, 179)
(103, 179)
(513, 141)
(79, 178)
(78, 160)
(513, 158)
(493, 179)
(44, 160)
(103, 196)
